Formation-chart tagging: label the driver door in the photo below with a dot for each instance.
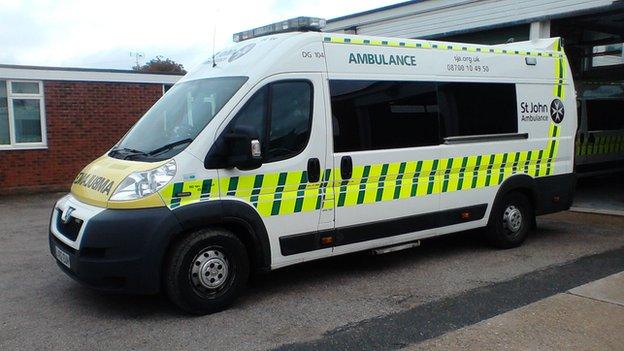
(287, 111)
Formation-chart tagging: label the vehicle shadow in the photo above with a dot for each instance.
(363, 262)
(262, 287)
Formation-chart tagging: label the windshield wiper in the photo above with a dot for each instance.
(128, 152)
(168, 147)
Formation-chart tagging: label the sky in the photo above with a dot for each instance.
(103, 34)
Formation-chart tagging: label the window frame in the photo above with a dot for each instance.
(13, 145)
(166, 87)
(443, 138)
(267, 117)
(439, 141)
(594, 55)
(476, 138)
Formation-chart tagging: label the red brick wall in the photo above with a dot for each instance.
(83, 120)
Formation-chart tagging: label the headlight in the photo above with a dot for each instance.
(140, 184)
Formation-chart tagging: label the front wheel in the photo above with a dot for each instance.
(510, 221)
(206, 271)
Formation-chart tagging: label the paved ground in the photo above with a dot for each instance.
(352, 302)
(590, 317)
(600, 194)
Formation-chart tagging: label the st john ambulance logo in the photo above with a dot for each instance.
(557, 111)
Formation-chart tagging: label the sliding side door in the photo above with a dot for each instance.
(386, 155)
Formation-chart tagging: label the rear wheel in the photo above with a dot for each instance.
(206, 271)
(510, 221)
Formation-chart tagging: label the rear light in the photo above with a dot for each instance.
(327, 240)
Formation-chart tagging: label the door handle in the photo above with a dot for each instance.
(346, 167)
(314, 170)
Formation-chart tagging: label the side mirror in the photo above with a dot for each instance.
(244, 149)
(239, 148)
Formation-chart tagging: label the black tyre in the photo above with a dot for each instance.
(510, 221)
(206, 271)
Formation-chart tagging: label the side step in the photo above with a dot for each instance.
(388, 249)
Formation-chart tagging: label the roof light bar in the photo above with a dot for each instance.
(299, 24)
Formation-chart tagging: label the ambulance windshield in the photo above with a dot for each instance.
(177, 118)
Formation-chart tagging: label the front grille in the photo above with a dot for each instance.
(70, 229)
(62, 245)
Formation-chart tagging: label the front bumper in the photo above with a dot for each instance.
(113, 250)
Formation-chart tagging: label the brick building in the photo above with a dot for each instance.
(53, 121)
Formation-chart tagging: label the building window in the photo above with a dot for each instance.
(607, 55)
(22, 117)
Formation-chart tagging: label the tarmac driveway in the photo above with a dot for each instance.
(325, 304)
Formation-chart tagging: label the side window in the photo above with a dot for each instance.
(605, 115)
(478, 108)
(291, 117)
(286, 132)
(372, 115)
(253, 114)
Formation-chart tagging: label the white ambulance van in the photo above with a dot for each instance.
(296, 146)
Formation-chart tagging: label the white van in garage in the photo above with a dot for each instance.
(600, 135)
(297, 146)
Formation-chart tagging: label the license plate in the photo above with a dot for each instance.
(62, 256)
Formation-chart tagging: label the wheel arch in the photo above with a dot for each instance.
(236, 216)
(521, 183)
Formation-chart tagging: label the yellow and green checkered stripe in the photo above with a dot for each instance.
(402, 180)
(271, 194)
(600, 145)
(560, 64)
(423, 44)
(188, 192)
(287, 193)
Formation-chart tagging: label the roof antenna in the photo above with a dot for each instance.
(214, 39)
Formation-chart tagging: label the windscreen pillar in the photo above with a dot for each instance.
(539, 30)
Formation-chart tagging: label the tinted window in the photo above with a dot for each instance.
(478, 108)
(290, 110)
(253, 114)
(291, 115)
(605, 114)
(371, 115)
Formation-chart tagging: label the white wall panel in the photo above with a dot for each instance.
(443, 16)
(42, 73)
